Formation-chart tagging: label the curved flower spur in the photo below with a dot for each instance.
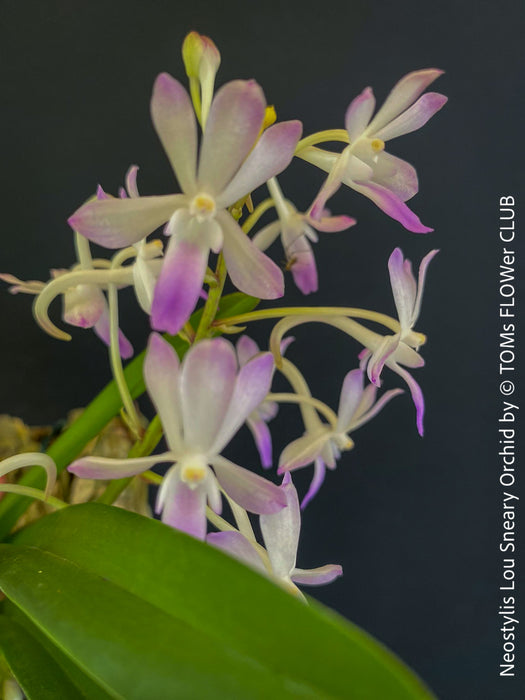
(202, 403)
(234, 159)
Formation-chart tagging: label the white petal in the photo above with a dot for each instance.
(207, 382)
(161, 373)
(174, 121)
(403, 94)
(281, 532)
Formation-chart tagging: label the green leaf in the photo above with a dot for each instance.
(98, 414)
(36, 672)
(130, 647)
(87, 687)
(308, 650)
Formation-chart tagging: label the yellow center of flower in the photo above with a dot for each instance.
(377, 145)
(203, 207)
(193, 472)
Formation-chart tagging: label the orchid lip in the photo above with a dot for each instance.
(193, 471)
(203, 207)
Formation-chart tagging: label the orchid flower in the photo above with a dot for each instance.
(233, 161)
(322, 444)
(280, 533)
(202, 403)
(297, 233)
(364, 165)
(394, 351)
(399, 348)
(84, 305)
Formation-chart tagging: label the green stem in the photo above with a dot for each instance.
(33, 493)
(322, 137)
(142, 448)
(212, 302)
(254, 217)
(265, 314)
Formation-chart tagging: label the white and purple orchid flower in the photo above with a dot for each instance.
(84, 305)
(297, 232)
(401, 348)
(364, 165)
(234, 159)
(322, 444)
(202, 402)
(280, 533)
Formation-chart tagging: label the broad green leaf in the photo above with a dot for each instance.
(87, 687)
(98, 414)
(200, 587)
(36, 672)
(130, 647)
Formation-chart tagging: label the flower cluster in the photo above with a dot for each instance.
(222, 146)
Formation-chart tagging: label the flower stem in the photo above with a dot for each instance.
(254, 217)
(300, 399)
(322, 137)
(212, 302)
(31, 492)
(130, 413)
(265, 314)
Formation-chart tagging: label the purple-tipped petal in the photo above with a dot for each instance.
(83, 305)
(331, 224)
(388, 202)
(234, 122)
(316, 483)
(107, 468)
(416, 393)
(404, 288)
(250, 491)
(301, 261)
(271, 155)
(116, 223)
(102, 330)
(174, 121)
(237, 546)
(281, 530)
(396, 175)
(359, 113)
(317, 577)
(403, 94)
(263, 441)
(100, 194)
(207, 383)
(246, 349)
(161, 374)
(251, 387)
(351, 394)
(332, 183)
(131, 181)
(183, 508)
(250, 270)
(384, 350)
(414, 117)
(180, 280)
(421, 282)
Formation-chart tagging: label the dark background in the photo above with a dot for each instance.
(415, 523)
